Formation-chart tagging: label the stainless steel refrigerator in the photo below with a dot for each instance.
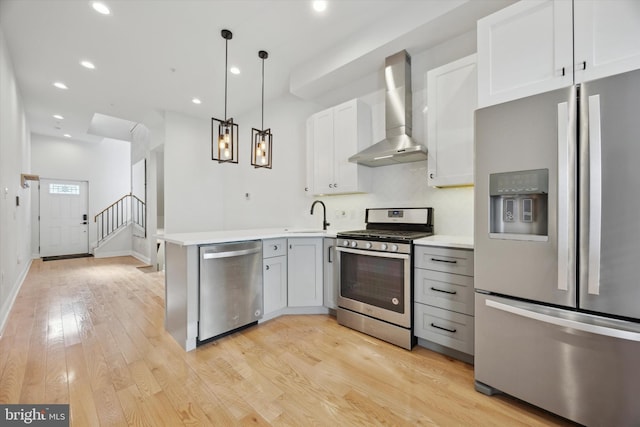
(557, 250)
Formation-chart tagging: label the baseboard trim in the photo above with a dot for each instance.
(8, 304)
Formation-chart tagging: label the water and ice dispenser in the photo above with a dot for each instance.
(519, 205)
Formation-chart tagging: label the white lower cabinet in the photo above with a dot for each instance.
(274, 275)
(304, 267)
(444, 297)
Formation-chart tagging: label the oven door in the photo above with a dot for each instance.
(376, 284)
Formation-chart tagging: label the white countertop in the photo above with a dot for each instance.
(460, 242)
(209, 237)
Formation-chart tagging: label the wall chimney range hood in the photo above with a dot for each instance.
(398, 146)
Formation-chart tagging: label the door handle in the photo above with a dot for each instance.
(448, 261)
(443, 291)
(595, 195)
(453, 330)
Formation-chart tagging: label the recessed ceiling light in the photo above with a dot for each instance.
(58, 116)
(88, 64)
(234, 70)
(66, 135)
(319, 5)
(196, 101)
(101, 8)
(60, 85)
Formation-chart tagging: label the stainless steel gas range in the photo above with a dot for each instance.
(376, 264)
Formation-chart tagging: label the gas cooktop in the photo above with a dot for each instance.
(395, 224)
(385, 234)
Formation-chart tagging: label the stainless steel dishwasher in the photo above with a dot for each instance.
(230, 287)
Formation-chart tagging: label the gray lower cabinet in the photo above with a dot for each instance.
(444, 298)
(274, 275)
(331, 273)
(305, 272)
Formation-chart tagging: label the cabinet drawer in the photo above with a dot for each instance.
(444, 290)
(453, 330)
(458, 261)
(274, 247)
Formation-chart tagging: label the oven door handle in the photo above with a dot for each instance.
(373, 253)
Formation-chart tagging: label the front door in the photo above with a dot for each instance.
(63, 217)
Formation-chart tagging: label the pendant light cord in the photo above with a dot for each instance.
(263, 94)
(226, 57)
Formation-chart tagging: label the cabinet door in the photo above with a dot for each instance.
(304, 266)
(331, 273)
(607, 38)
(323, 153)
(309, 188)
(275, 284)
(345, 134)
(452, 98)
(525, 49)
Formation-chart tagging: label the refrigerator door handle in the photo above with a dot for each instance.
(595, 195)
(565, 323)
(564, 140)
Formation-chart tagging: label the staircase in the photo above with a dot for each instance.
(128, 209)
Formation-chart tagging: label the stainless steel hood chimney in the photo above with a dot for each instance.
(398, 146)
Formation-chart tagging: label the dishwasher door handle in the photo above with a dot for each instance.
(229, 254)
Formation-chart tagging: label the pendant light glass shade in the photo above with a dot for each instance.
(224, 133)
(261, 140)
(261, 148)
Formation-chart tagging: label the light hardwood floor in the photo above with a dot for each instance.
(89, 332)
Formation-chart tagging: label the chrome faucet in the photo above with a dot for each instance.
(324, 213)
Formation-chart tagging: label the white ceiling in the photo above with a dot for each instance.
(159, 54)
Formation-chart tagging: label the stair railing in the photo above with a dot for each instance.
(127, 209)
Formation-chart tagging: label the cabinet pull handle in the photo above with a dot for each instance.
(329, 251)
(584, 65)
(306, 188)
(443, 291)
(448, 261)
(563, 71)
(275, 247)
(453, 331)
(431, 175)
(335, 185)
(267, 267)
(330, 185)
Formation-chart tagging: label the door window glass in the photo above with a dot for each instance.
(67, 189)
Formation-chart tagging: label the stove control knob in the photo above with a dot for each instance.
(394, 248)
(345, 243)
(354, 244)
(368, 245)
(383, 246)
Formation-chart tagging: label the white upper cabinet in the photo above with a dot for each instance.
(451, 100)
(334, 135)
(607, 38)
(528, 47)
(524, 49)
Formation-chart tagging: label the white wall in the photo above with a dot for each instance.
(106, 165)
(201, 194)
(15, 227)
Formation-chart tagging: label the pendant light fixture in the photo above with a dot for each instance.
(261, 139)
(224, 133)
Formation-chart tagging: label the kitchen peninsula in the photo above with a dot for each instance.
(182, 273)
